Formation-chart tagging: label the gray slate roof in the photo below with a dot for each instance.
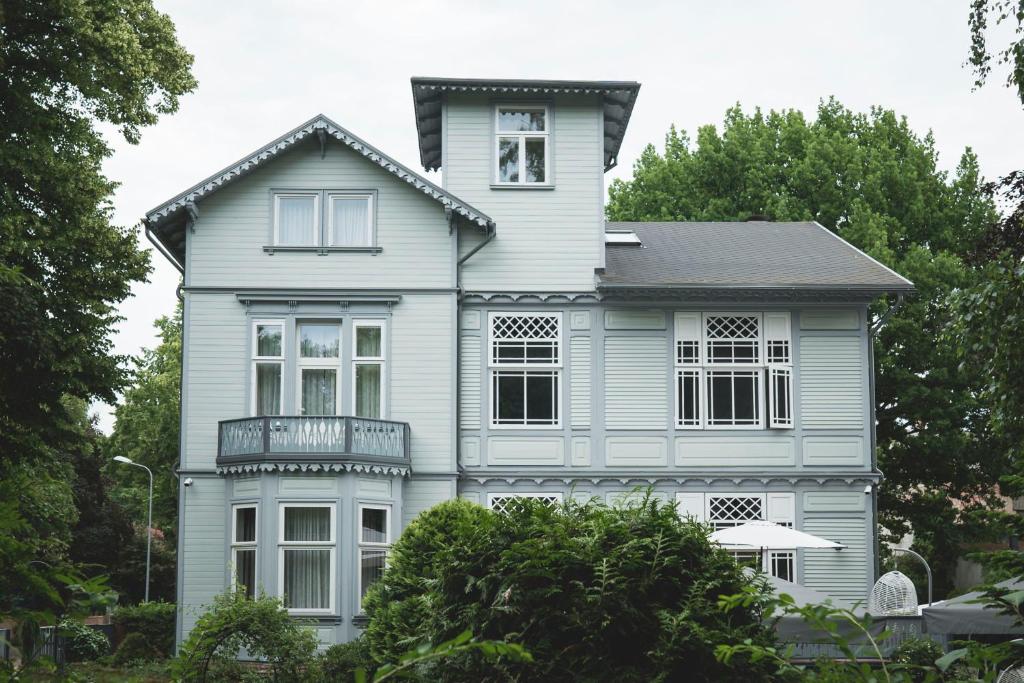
(617, 100)
(755, 255)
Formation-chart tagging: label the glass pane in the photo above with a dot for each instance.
(296, 221)
(720, 399)
(245, 572)
(508, 160)
(745, 387)
(318, 341)
(268, 388)
(371, 568)
(319, 390)
(540, 399)
(268, 340)
(510, 120)
(307, 524)
(350, 221)
(245, 525)
(368, 342)
(368, 390)
(535, 149)
(509, 398)
(307, 579)
(375, 526)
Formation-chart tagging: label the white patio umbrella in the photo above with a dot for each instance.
(769, 536)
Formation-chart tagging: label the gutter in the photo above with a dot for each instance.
(161, 248)
(491, 233)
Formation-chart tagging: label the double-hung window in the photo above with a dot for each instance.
(267, 366)
(307, 557)
(374, 542)
(525, 362)
(521, 145)
(243, 548)
(318, 368)
(368, 368)
(723, 363)
(323, 218)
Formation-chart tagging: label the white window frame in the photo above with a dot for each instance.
(331, 545)
(370, 218)
(317, 232)
(380, 360)
(556, 495)
(496, 368)
(703, 369)
(522, 135)
(258, 359)
(237, 545)
(302, 363)
(362, 545)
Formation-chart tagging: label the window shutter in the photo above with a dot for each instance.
(691, 505)
(779, 357)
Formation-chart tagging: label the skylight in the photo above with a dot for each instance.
(622, 238)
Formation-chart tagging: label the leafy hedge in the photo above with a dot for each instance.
(83, 643)
(154, 621)
(592, 592)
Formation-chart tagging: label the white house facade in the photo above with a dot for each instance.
(361, 344)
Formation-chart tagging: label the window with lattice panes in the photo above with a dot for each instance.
(505, 502)
(525, 359)
(733, 370)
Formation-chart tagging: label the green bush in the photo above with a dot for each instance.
(153, 620)
(135, 648)
(83, 643)
(262, 627)
(340, 662)
(918, 655)
(593, 593)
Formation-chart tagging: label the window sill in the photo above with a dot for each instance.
(517, 186)
(323, 251)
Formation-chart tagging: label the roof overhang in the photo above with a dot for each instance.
(168, 222)
(745, 294)
(617, 99)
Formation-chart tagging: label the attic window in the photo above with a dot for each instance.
(624, 238)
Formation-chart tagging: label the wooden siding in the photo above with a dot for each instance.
(235, 224)
(547, 239)
(579, 381)
(636, 382)
(843, 573)
(422, 494)
(471, 379)
(204, 551)
(832, 382)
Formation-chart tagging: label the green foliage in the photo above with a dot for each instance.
(416, 660)
(261, 626)
(1012, 56)
(341, 662)
(591, 592)
(152, 620)
(136, 648)
(875, 182)
(82, 643)
(917, 652)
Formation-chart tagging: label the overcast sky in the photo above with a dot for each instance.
(264, 67)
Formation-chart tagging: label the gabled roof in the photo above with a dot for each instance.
(167, 221)
(617, 98)
(755, 256)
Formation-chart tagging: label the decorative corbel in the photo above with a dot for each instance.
(450, 217)
(192, 212)
(321, 135)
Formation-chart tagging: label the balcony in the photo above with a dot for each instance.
(313, 439)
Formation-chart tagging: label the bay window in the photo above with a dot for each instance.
(525, 364)
(521, 145)
(267, 366)
(724, 363)
(243, 548)
(374, 542)
(307, 557)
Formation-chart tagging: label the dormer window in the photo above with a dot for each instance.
(521, 145)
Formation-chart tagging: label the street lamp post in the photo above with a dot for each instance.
(149, 523)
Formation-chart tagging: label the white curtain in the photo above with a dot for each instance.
(351, 222)
(319, 388)
(268, 388)
(307, 571)
(368, 390)
(371, 567)
(295, 224)
(368, 342)
(245, 571)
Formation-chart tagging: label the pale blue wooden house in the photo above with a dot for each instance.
(361, 344)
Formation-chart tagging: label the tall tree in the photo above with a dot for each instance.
(65, 67)
(982, 55)
(876, 183)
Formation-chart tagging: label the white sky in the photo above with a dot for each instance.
(264, 67)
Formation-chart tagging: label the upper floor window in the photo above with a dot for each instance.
(319, 353)
(347, 219)
(724, 361)
(268, 366)
(525, 357)
(368, 368)
(521, 145)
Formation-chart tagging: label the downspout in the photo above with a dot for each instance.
(872, 331)
(162, 249)
(491, 232)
